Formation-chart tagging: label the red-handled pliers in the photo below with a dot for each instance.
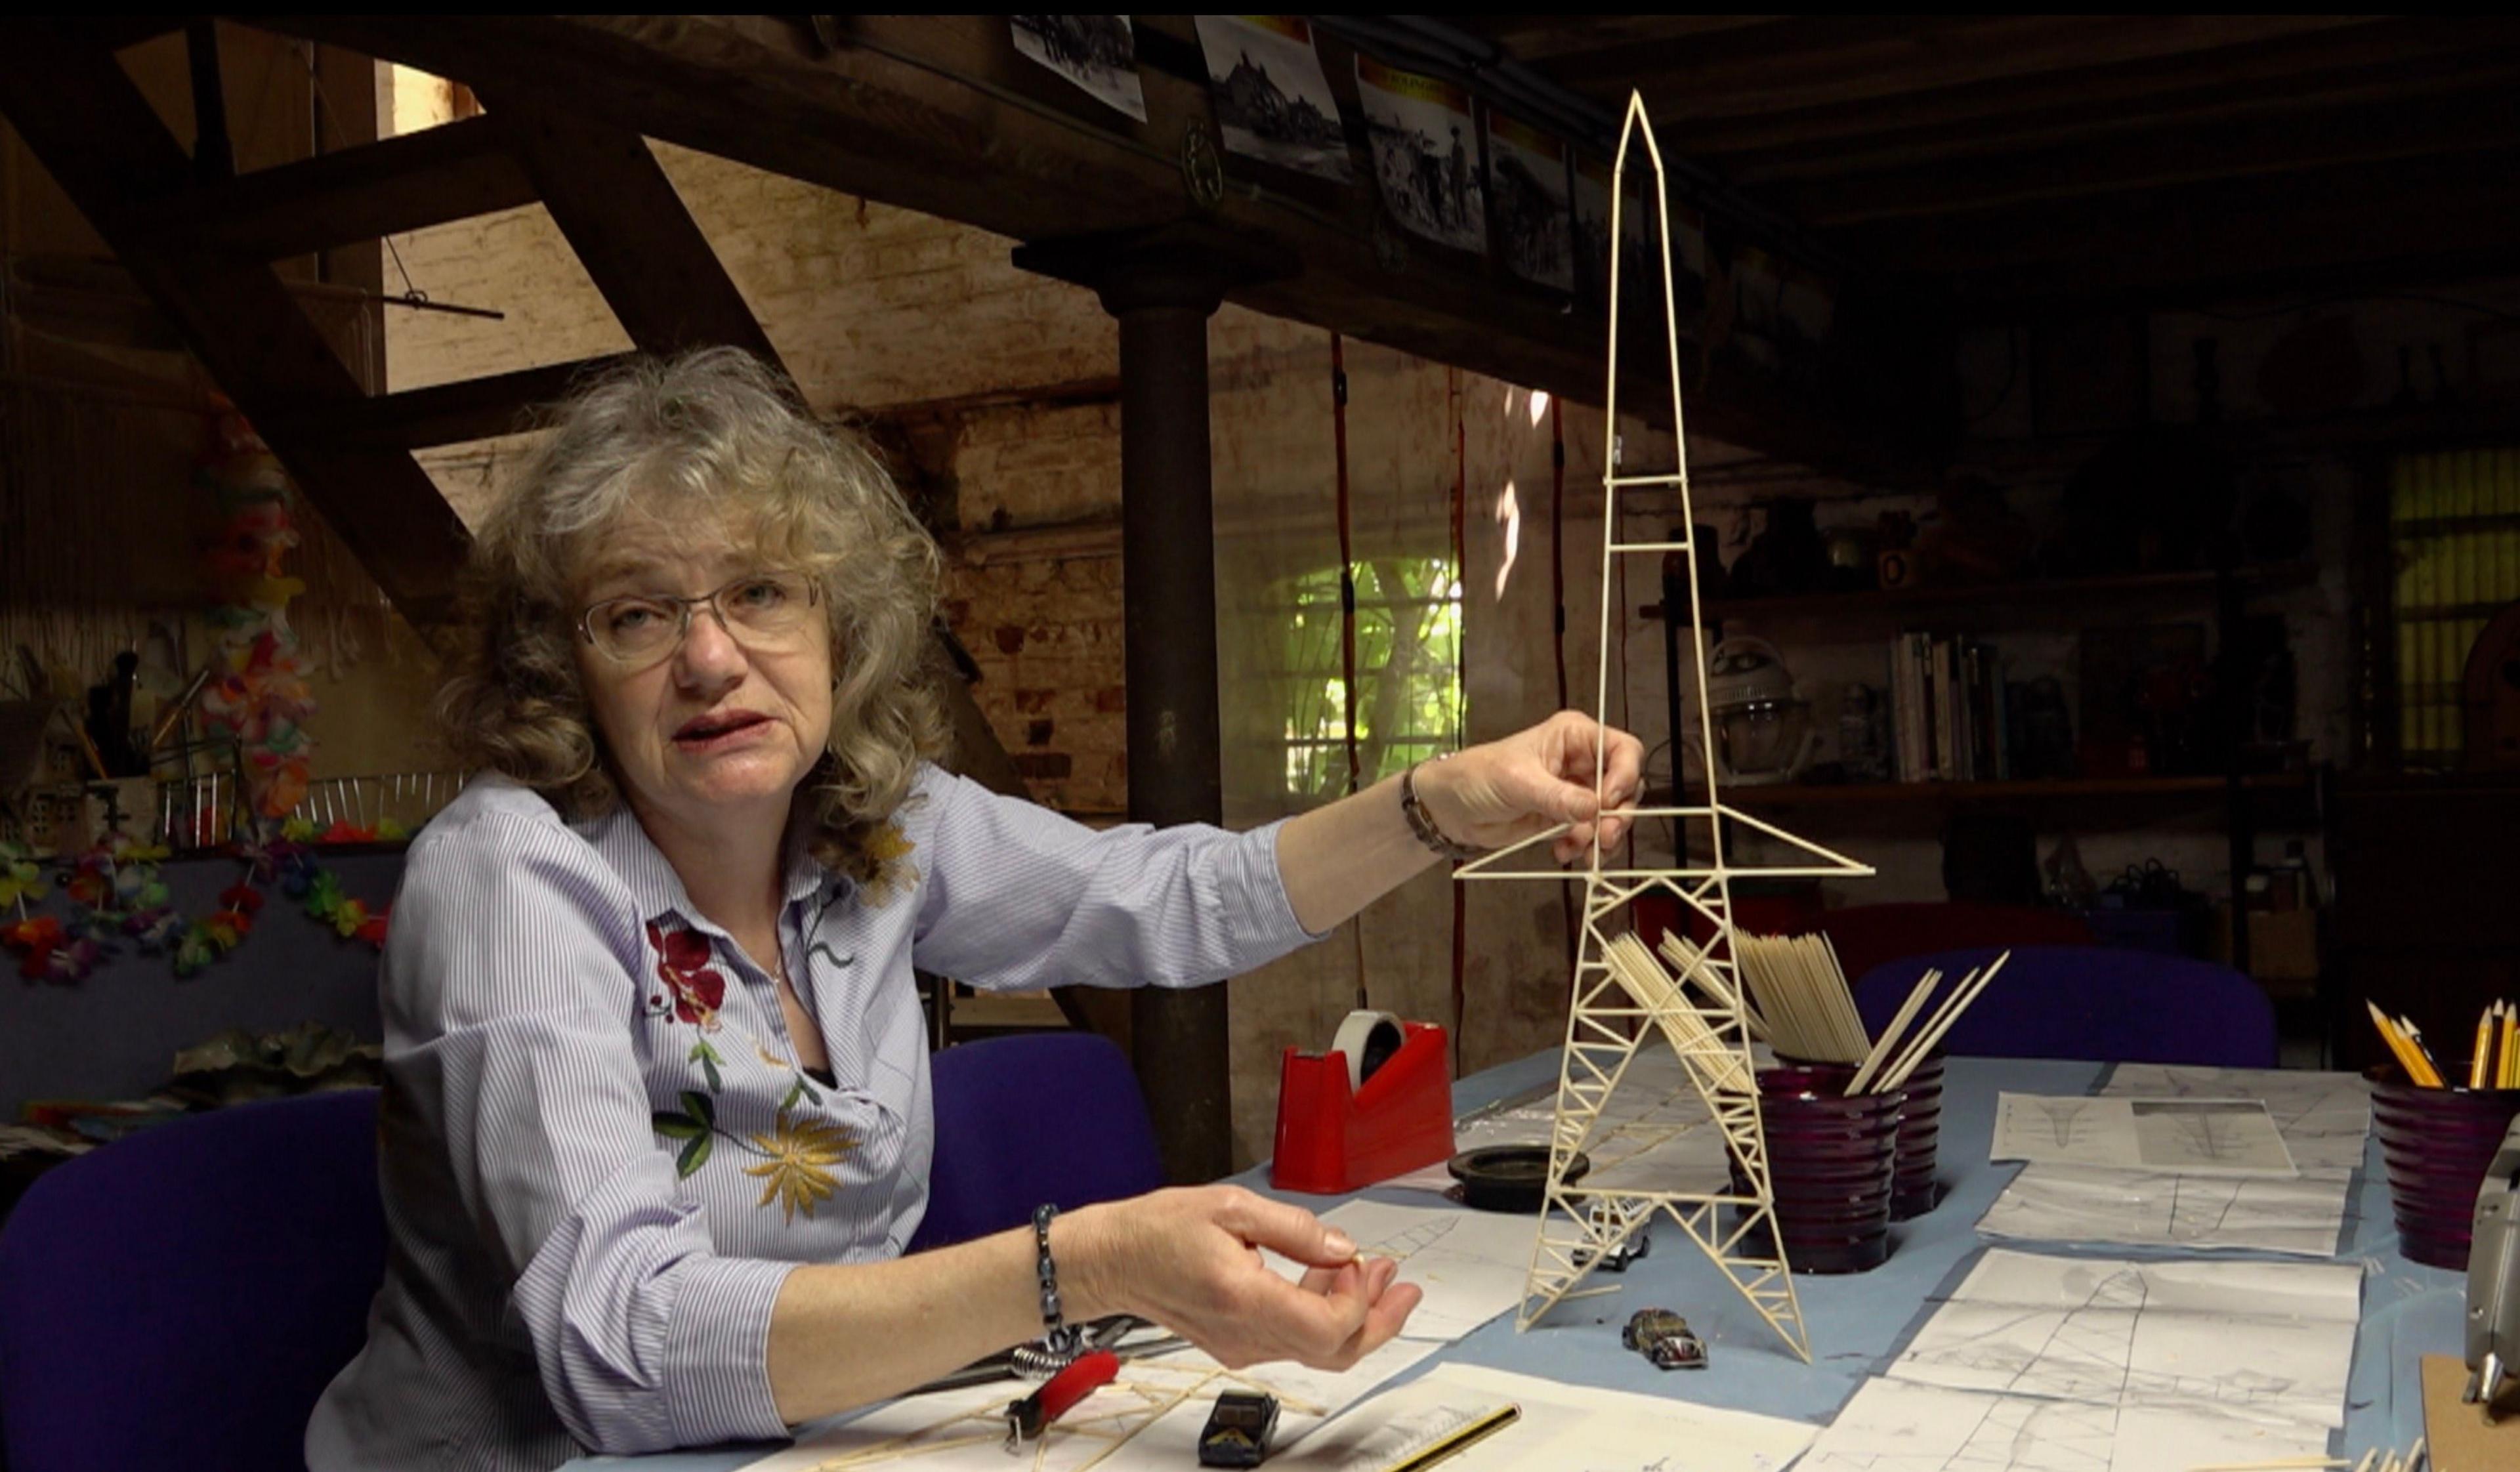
(1029, 1417)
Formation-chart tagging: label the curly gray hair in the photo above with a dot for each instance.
(709, 442)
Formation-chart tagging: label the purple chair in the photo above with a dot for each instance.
(181, 1297)
(1039, 1117)
(2089, 1001)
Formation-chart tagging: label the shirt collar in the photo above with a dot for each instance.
(658, 890)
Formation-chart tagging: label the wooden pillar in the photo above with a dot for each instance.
(1163, 285)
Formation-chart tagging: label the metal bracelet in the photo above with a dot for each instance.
(1060, 1341)
(1422, 824)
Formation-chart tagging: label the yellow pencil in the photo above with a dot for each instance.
(2511, 1048)
(2414, 1036)
(2407, 1058)
(2486, 1035)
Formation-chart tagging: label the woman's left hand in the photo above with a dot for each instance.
(1506, 791)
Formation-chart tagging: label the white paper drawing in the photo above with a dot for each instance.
(2252, 1341)
(1470, 1265)
(1535, 224)
(2201, 1136)
(2063, 1203)
(1892, 1426)
(2325, 1118)
(1273, 102)
(1097, 52)
(1425, 154)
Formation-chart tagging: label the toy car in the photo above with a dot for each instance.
(1665, 1338)
(1237, 1430)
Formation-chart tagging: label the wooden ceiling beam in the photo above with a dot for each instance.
(445, 414)
(1532, 39)
(931, 113)
(440, 174)
(2253, 147)
(1813, 141)
(89, 126)
(1861, 58)
(629, 228)
(2366, 225)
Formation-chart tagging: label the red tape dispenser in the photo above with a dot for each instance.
(1378, 1105)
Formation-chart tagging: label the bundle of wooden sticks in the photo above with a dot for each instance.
(1793, 995)
(2494, 1063)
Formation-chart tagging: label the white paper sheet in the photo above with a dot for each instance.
(2063, 1203)
(2188, 1136)
(2323, 1117)
(1654, 1134)
(1470, 1265)
(1575, 1428)
(1890, 1426)
(2259, 1341)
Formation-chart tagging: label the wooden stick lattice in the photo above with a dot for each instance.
(1623, 996)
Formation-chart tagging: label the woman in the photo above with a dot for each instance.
(656, 1124)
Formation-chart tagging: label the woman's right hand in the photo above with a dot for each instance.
(1188, 1259)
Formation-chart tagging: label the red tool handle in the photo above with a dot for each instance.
(1028, 1417)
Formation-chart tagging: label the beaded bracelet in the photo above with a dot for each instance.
(1422, 824)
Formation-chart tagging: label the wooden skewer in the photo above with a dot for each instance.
(1890, 1035)
(1927, 1041)
(1690, 965)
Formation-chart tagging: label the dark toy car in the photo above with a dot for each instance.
(1237, 1430)
(1665, 1338)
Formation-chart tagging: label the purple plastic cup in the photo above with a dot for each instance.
(1832, 1161)
(2437, 1143)
(1914, 1192)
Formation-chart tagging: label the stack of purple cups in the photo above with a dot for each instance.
(1914, 1189)
(1832, 1161)
(2437, 1143)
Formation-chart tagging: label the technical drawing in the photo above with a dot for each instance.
(1606, 1022)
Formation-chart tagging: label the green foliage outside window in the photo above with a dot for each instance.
(1407, 673)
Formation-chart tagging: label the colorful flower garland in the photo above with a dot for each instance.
(259, 698)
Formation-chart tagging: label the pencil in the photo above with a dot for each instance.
(2511, 1048)
(2407, 1058)
(2486, 1035)
(2414, 1036)
(1476, 1431)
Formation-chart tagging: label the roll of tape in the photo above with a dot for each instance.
(1369, 1039)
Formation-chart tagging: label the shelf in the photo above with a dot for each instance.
(2010, 598)
(2061, 789)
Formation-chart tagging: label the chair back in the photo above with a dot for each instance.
(2090, 1001)
(1865, 936)
(1053, 1117)
(181, 1297)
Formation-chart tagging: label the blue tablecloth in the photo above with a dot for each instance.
(1857, 1323)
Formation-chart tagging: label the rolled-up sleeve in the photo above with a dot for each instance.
(511, 1003)
(1013, 897)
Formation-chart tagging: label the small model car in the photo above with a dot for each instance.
(1665, 1338)
(1237, 1430)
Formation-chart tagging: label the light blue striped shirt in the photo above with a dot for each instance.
(601, 1158)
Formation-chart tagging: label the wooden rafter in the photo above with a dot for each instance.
(922, 112)
(99, 138)
(400, 184)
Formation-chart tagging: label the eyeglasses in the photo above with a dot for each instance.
(768, 611)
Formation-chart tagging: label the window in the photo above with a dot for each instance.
(2455, 535)
(1407, 673)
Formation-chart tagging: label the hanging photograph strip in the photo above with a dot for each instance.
(1527, 177)
(1425, 154)
(1097, 52)
(1272, 101)
(1592, 227)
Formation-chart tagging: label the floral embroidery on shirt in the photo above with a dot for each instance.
(796, 1157)
(695, 989)
(887, 853)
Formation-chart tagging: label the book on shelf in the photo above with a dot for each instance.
(1947, 710)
